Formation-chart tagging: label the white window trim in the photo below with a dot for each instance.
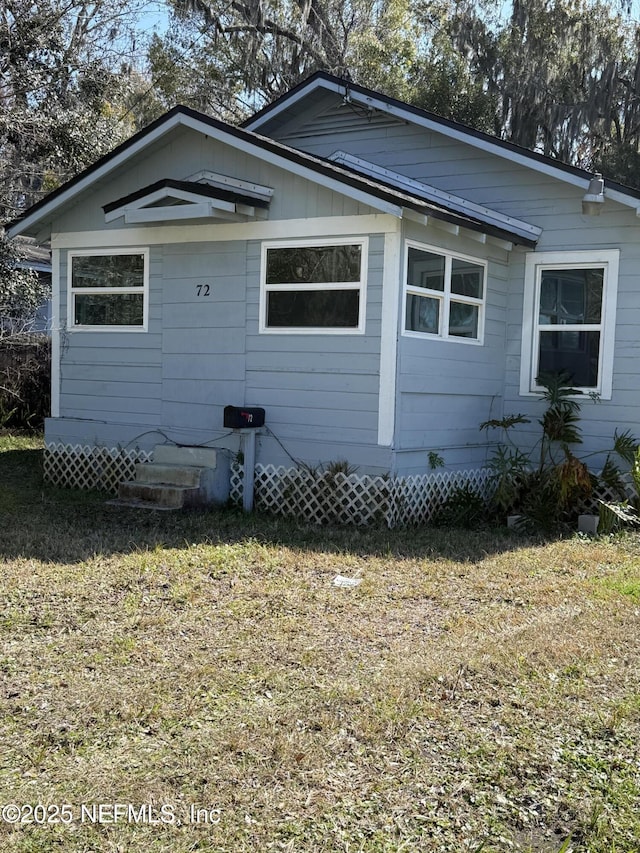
(609, 260)
(312, 242)
(445, 295)
(71, 324)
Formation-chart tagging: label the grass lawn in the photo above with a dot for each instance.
(476, 692)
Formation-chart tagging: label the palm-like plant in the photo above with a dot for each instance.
(550, 490)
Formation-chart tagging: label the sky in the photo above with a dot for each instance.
(155, 17)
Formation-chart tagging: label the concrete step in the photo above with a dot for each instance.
(162, 494)
(173, 475)
(200, 457)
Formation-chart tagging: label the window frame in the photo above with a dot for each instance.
(445, 295)
(72, 291)
(312, 243)
(535, 264)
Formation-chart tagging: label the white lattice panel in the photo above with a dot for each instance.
(83, 467)
(235, 484)
(609, 494)
(326, 498)
(417, 498)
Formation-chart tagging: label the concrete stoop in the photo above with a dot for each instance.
(178, 478)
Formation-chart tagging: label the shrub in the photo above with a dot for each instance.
(25, 381)
(463, 508)
(549, 484)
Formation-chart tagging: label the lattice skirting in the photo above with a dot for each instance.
(322, 498)
(603, 492)
(340, 498)
(100, 468)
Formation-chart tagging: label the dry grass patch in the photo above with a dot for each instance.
(477, 691)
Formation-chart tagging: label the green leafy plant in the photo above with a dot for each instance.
(549, 483)
(616, 514)
(613, 516)
(339, 466)
(463, 508)
(435, 460)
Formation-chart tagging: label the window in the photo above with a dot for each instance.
(569, 319)
(109, 291)
(314, 288)
(444, 295)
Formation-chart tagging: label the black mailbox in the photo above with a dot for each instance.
(237, 417)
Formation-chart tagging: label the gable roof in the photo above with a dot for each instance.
(277, 113)
(381, 195)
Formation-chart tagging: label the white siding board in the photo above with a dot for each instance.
(228, 316)
(308, 363)
(93, 416)
(134, 342)
(125, 433)
(368, 457)
(314, 380)
(77, 405)
(416, 462)
(132, 373)
(341, 434)
(423, 434)
(113, 404)
(189, 365)
(212, 340)
(206, 417)
(207, 392)
(120, 359)
(483, 386)
(116, 387)
(315, 399)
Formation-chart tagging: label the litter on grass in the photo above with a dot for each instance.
(347, 583)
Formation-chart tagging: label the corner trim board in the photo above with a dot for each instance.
(389, 337)
(56, 333)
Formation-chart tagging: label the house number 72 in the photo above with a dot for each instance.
(203, 289)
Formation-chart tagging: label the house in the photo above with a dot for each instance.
(378, 279)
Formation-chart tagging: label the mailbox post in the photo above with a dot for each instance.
(246, 421)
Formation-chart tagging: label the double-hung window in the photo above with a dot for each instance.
(445, 295)
(109, 290)
(314, 287)
(569, 319)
